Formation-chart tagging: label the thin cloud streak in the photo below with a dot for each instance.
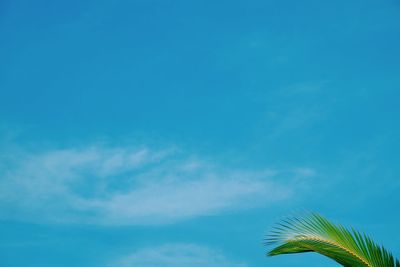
(130, 186)
(176, 255)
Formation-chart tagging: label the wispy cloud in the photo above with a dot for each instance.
(115, 185)
(176, 255)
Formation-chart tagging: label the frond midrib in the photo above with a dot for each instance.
(332, 243)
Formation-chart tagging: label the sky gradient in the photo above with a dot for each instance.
(173, 133)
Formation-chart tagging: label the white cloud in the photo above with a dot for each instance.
(176, 255)
(106, 185)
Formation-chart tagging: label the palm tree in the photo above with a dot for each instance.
(314, 233)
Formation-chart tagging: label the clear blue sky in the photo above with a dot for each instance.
(153, 133)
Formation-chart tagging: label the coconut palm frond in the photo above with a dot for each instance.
(314, 233)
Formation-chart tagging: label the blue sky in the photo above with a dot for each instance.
(154, 133)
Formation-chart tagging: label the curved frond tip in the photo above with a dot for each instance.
(314, 233)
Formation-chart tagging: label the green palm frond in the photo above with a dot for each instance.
(314, 233)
